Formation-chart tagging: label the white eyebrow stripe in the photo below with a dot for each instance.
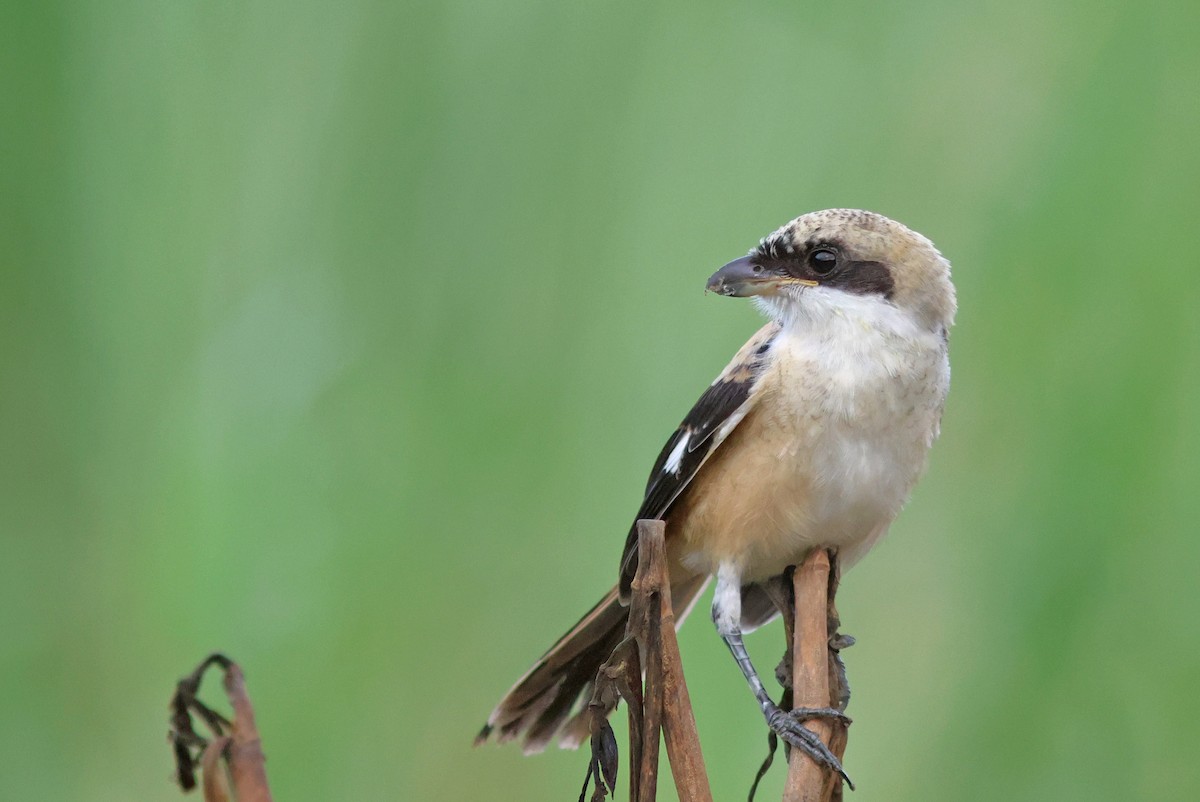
(675, 460)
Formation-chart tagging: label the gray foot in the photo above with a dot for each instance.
(790, 727)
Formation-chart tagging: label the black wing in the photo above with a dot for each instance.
(719, 410)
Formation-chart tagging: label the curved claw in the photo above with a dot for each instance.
(789, 727)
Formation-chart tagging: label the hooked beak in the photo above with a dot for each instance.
(743, 277)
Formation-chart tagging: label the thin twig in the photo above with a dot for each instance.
(649, 654)
(236, 742)
(645, 612)
(247, 763)
(678, 721)
(811, 669)
(839, 688)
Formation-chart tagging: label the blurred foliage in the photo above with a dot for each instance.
(340, 337)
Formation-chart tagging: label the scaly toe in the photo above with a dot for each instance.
(806, 713)
(789, 728)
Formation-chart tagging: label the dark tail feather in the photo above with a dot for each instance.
(538, 705)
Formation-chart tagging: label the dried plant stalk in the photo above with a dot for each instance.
(236, 743)
(663, 705)
(678, 721)
(812, 667)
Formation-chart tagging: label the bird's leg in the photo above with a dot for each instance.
(727, 614)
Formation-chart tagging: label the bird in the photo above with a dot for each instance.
(813, 436)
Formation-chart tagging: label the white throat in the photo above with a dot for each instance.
(844, 316)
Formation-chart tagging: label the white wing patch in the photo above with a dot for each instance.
(675, 459)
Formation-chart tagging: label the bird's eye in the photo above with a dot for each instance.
(822, 261)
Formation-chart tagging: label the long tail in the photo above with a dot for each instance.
(540, 703)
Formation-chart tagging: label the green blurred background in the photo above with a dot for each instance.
(341, 337)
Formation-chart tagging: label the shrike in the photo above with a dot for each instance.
(813, 436)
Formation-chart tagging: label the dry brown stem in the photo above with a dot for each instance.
(663, 706)
(814, 676)
(666, 667)
(235, 743)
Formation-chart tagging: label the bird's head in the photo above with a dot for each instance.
(842, 257)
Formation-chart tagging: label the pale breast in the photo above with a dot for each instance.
(827, 456)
